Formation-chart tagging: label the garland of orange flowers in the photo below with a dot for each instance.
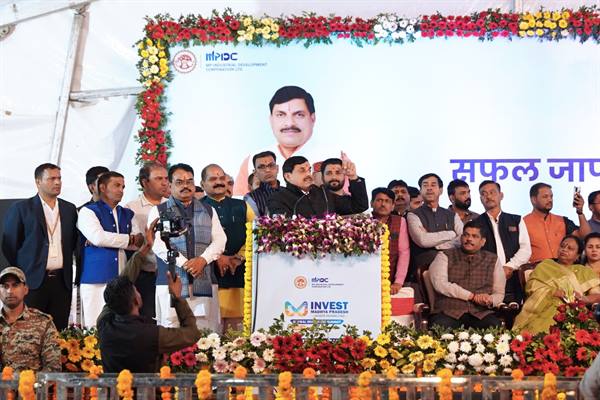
(203, 384)
(386, 297)
(284, 387)
(445, 385)
(241, 391)
(124, 382)
(26, 382)
(165, 391)
(392, 373)
(549, 390)
(248, 280)
(8, 375)
(310, 373)
(94, 373)
(362, 392)
(517, 376)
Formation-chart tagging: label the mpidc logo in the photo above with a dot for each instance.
(184, 61)
(300, 282)
(292, 311)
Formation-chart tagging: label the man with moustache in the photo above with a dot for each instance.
(506, 236)
(335, 172)
(546, 230)
(106, 228)
(40, 236)
(265, 170)
(301, 197)
(292, 119)
(402, 201)
(233, 215)
(382, 203)
(153, 180)
(201, 245)
(460, 197)
(468, 281)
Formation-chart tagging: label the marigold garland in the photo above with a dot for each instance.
(549, 390)
(203, 385)
(445, 386)
(517, 376)
(386, 298)
(362, 392)
(284, 386)
(94, 373)
(165, 373)
(248, 280)
(124, 384)
(392, 373)
(310, 373)
(8, 375)
(26, 384)
(241, 373)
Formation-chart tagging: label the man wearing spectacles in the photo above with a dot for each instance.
(198, 248)
(265, 170)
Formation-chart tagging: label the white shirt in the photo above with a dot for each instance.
(212, 252)
(522, 255)
(439, 279)
(93, 231)
(440, 240)
(141, 207)
(52, 215)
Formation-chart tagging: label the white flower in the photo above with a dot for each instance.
(505, 337)
(518, 337)
(507, 370)
(214, 339)
(449, 366)
(502, 348)
(387, 25)
(463, 357)
(221, 366)
(463, 335)
(395, 35)
(506, 360)
(393, 26)
(402, 35)
(412, 21)
(204, 343)
(403, 23)
(465, 347)
(228, 346)
(201, 357)
(447, 336)
(268, 355)
(480, 348)
(453, 347)
(378, 28)
(219, 354)
(460, 367)
(258, 366)
(475, 360)
(381, 35)
(564, 32)
(491, 369)
(476, 338)
(239, 342)
(237, 355)
(410, 29)
(257, 338)
(488, 337)
(489, 358)
(451, 358)
(252, 355)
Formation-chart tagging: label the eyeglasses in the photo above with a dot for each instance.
(263, 167)
(187, 182)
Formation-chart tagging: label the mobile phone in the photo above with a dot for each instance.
(576, 191)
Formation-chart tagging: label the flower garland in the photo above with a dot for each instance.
(362, 392)
(203, 385)
(94, 373)
(124, 383)
(386, 298)
(165, 373)
(8, 375)
(549, 390)
(517, 376)
(243, 392)
(284, 386)
(310, 373)
(247, 323)
(26, 384)
(445, 386)
(392, 373)
(227, 27)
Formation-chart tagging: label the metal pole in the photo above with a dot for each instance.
(63, 104)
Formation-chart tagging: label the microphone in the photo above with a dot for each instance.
(297, 202)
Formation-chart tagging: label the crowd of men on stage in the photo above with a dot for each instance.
(122, 276)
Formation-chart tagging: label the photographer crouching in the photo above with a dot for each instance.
(128, 340)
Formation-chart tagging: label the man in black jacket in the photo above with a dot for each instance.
(301, 197)
(40, 237)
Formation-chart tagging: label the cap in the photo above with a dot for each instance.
(17, 272)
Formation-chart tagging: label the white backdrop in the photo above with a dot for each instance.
(32, 62)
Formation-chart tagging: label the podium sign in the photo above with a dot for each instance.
(336, 290)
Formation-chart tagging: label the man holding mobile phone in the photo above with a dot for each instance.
(545, 229)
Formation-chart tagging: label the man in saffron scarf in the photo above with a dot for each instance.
(554, 282)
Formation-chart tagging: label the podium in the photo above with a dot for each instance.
(335, 288)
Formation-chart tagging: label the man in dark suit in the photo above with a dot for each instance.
(40, 236)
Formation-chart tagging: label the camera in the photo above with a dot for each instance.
(171, 224)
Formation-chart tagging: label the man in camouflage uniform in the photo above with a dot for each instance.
(28, 337)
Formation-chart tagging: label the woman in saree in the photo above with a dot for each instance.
(555, 282)
(592, 251)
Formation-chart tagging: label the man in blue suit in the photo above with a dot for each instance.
(40, 236)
